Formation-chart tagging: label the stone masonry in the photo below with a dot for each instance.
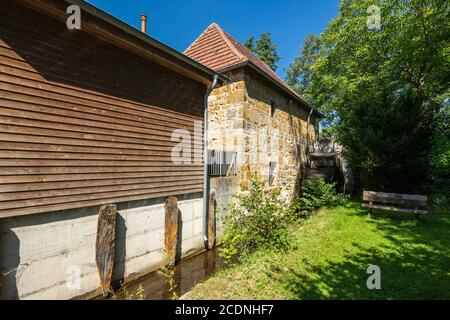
(241, 120)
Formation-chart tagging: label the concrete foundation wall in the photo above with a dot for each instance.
(225, 188)
(52, 255)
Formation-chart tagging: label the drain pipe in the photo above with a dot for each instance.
(308, 136)
(205, 156)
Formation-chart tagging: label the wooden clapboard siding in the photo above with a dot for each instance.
(81, 48)
(85, 123)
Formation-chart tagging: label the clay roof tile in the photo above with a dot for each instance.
(219, 51)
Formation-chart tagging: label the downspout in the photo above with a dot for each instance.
(308, 135)
(205, 157)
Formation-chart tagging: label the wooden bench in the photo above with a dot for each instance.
(416, 204)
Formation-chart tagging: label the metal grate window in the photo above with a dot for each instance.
(222, 163)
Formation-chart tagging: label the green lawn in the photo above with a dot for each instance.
(332, 252)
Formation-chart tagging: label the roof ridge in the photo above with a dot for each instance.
(228, 42)
(253, 54)
(221, 32)
(268, 70)
(243, 47)
(199, 37)
(232, 54)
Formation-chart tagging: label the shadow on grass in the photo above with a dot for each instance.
(415, 263)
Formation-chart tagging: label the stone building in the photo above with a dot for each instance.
(256, 116)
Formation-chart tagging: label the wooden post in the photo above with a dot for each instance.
(104, 249)
(212, 221)
(171, 229)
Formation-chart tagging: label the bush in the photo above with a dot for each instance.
(438, 187)
(386, 138)
(261, 220)
(256, 221)
(316, 194)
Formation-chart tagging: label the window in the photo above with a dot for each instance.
(222, 163)
(273, 108)
(272, 166)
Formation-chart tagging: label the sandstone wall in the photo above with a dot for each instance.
(240, 120)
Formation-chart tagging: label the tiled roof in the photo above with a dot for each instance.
(214, 50)
(219, 51)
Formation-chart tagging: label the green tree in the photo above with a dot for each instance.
(411, 49)
(250, 44)
(299, 73)
(380, 87)
(439, 160)
(387, 139)
(265, 49)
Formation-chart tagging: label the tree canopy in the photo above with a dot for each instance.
(265, 49)
(250, 43)
(380, 87)
(411, 49)
(299, 73)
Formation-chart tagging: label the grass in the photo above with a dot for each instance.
(332, 252)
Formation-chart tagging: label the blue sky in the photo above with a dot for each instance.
(177, 23)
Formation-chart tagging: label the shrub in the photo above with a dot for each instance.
(316, 193)
(260, 219)
(256, 220)
(438, 186)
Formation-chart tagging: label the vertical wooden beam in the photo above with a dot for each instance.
(104, 249)
(212, 221)
(171, 229)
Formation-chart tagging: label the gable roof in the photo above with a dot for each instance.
(219, 51)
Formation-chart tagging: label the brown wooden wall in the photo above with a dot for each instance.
(84, 123)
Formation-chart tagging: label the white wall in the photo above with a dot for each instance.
(41, 254)
(225, 188)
